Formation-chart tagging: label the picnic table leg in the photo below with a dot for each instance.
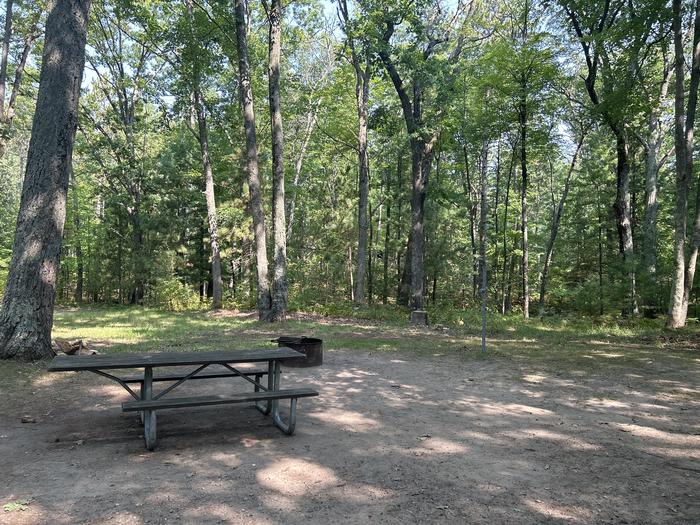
(266, 408)
(141, 418)
(149, 416)
(288, 426)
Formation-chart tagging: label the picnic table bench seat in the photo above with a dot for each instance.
(217, 399)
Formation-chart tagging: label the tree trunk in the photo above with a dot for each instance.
(651, 171)
(523, 203)
(482, 241)
(27, 310)
(207, 172)
(217, 283)
(5, 53)
(137, 294)
(422, 156)
(684, 129)
(556, 220)
(279, 221)
(78, 245)
(256, 205)
(387, 229)
(370, 265)
(362, 96)
(505, 232)
(7, 112)
(623, 212)
(469, 193)
(310, 125)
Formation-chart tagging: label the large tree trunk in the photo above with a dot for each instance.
(362, 96)
(254, 186)
(27, 310)
(279, 222)
(684, 129)
(421, 157)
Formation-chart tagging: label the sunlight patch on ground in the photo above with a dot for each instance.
(356, 421)
(504, 409)
(534, 378)
(606, 403)
(551, 510)
(436, 445)
(540, 433)
(296, 477)
(227, 459)
(660, 435)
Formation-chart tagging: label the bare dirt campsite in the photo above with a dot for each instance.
(395, 262)
(411, 426)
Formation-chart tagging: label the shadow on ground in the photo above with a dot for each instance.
(394, 438)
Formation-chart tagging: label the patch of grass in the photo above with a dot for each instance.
(19, 505)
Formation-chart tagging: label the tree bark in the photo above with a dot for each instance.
(27, 311)
(362, 96)
(279, 221)
(684, 124)
(422, 151)
(254, 186)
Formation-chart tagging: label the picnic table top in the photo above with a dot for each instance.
(65, 363)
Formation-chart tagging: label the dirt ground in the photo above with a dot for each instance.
(393, 438)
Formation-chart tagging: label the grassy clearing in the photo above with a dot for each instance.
(560, 340)
(568, 349)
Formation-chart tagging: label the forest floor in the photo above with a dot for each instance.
(554, 424)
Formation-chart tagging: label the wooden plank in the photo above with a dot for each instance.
(181, 402)
(202, 375)
(66, 363)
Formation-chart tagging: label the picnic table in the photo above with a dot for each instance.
(203, 366)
